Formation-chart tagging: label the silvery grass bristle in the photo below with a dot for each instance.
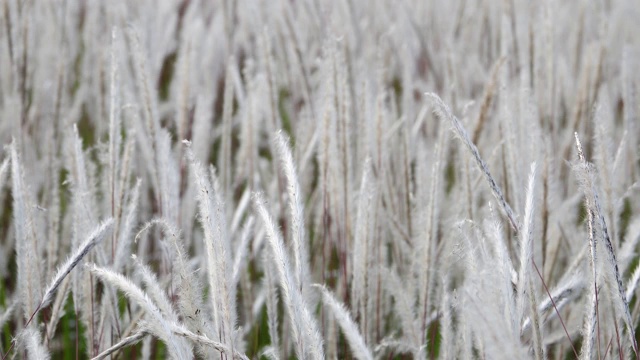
(445, 312)
(126, 225)
(64, 270)
(92, 240)
(348, 326)
(301, 261)
(158, 324)
(361, 246)
(114, 131)
(154, 289)
(306, 336)
(150, 120)
(411, 335)
(595, 214)
(271, 288)
(425, 256)
(30, 340)
(27, 248)
(219, 257)
(126, 342)
(561, 296)
(189, 287)
(526, 290)
(443, 111)
(591, 321)
(526, 244)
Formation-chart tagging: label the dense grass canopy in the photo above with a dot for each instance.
(310, 179)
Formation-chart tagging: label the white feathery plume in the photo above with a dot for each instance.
(631, 239)
(506, 275)
(594, 209)
(168, 174)
(202, 125)
(189, 286)
(447, 332)
(271, 299)
(53, 221)
(114, 131)
(92, 240)
(56, 308)
(145, 352)
(128, 341)
(30, 337)
(218, 252)
(489, 303)
(270, 353)
(182, 87)
(537, 325)
(349, 327)
(632, 283)
(83, 206)
(604, 161)
(565, 292)
(300, 252)
(361, 249)
(126, 228)
(392, 283)
(225, 157)
(154, 290)
(238, 214)
(443, 111)
(306, 337)
(591, 321)
(8, 312)
(526, 247)
(425, 259)
(159, 326)
(248, 147)
(241, 251)
(149, 110)
(223, 349)
(27, 250)
(84, 219)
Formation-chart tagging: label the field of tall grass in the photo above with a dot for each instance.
(309, 179)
